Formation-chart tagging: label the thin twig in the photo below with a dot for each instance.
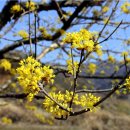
(126, 68)
(35, 26)
(76, 76)
(94, 91)
(113, 10)
(59, 11)
(111, 33)
(103, 99)
(29, 22)
(47, 95)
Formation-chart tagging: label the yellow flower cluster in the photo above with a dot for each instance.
(127, 83)
(92, 68)
(48, 76)
(5, 64)
(126, 7)
(128, 59)
(16, 9)
(44, 32)
(102, 72)
(6, 120)
(31, 5)
(80, 40)
(88, 100)
(23, 34)
(124, 53)
(83, 40)
(72, 67)
(30, 73)
(116, 68)
(98, 50)
(62, 99)
(111, 59)
(105, 9)
(85, 101)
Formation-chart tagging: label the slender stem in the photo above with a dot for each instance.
(76, 76)
(47, 95)
(125, 64)
(104, 98)
(72, 62)
(113, 10)
(35, 15)
(29, 22)
(111, 33)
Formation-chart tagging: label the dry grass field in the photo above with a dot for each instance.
(115, 115)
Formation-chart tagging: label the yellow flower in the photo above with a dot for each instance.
(31, 5)
(48, 75)
(30, 73)
(23, 34)
(5, 64)
(13, 85)
(72, 67)
(127, 60)
(124, 54)
(102, 72)
(16, 9)
(98, 50)
(13, 71)
(92, 68)
(44, 32)
(111, 59)
(88, 100)
(6, 120)
(117, 92)
(126, 7)
(80, 40)
(127, 83)
(116, 68)
(105, 9)
(64, 99)
(52, 107)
